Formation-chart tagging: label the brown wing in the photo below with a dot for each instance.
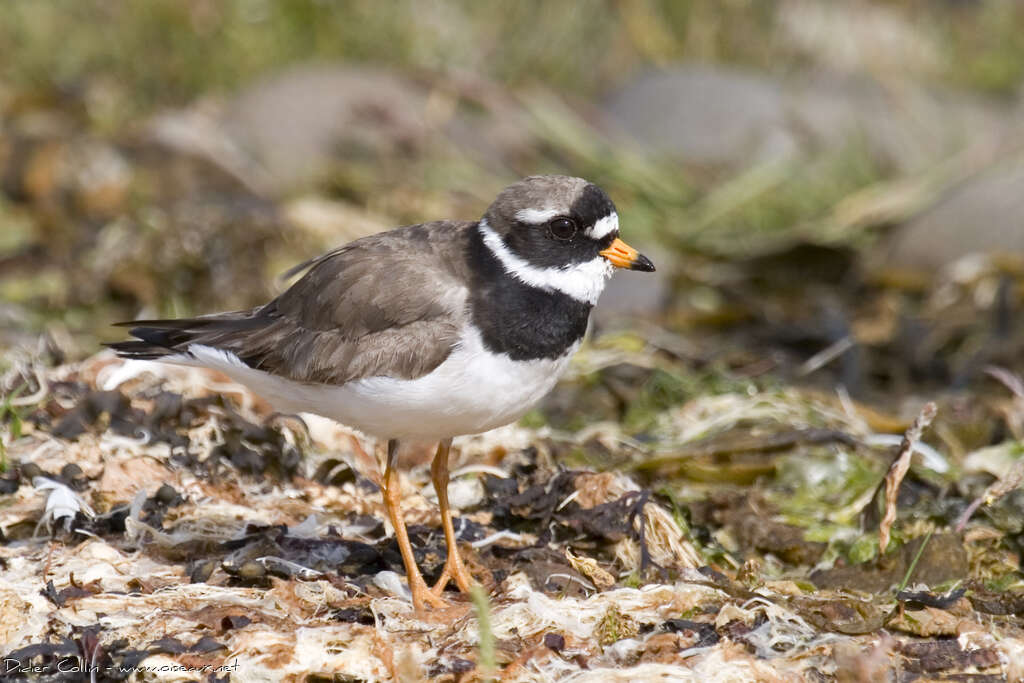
(390, 304)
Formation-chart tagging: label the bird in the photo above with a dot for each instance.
(424, 332)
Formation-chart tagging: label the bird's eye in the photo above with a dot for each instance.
(562, 228)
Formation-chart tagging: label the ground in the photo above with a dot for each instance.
(188, 526)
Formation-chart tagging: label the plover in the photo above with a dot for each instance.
(424, 332)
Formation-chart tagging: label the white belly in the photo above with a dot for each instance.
(472, 391)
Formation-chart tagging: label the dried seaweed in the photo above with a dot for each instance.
(239, 553)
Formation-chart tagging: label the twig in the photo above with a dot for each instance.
(1014, 413)
(826, 356)
(15, 398)
(898, 470)
(994, 492)
(1009, 380)
(1015, 476)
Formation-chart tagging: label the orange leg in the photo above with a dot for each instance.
(453, 567)
(421, 595)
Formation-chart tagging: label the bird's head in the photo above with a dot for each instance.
(559, 232)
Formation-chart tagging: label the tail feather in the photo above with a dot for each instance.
(138, 350)
(152, 343)
(155, 339)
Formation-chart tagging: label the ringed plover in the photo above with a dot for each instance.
(424, 332)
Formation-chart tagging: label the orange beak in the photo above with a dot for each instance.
(621, 255)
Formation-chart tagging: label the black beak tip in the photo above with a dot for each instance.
(642, 263)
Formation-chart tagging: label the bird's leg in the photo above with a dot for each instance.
(453, 567)
(421, 595)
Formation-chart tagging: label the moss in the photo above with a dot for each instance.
(534, 419)
(822, 487)
(1003, 582)
(694, 611)
(661, 391)
(632, 580)
(614, 626)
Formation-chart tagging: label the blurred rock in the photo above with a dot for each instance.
(705, 114)
(712, 114)
(906, 127)
(299, 127)
(982, 214)
(196, 131)
(722, 116)
(296, 123)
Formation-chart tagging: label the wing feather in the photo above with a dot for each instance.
(391, 304)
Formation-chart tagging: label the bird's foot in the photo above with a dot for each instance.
(423, 596)
(454, 569)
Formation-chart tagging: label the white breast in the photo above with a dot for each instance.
(472, 391)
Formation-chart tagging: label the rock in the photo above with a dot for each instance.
(712, 114)
(283, 134)
(943, 559)
(905, 126)
(295, 123)
(982, 214)
(705, 114)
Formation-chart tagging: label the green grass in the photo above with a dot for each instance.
(986, 46)
(913, 563)
(487, 664)
(10, 418)
(169, 51)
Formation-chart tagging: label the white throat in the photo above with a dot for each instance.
(582, 281)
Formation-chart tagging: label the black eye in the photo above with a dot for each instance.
(562, 228)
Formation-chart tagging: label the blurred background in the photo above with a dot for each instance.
(833, 191)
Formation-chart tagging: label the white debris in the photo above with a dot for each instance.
(930, 457)
(392, 583)
(61, 505)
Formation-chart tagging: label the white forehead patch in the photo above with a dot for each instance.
(598, 231)
(582, 281)
(604, 227)
(536, 216)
